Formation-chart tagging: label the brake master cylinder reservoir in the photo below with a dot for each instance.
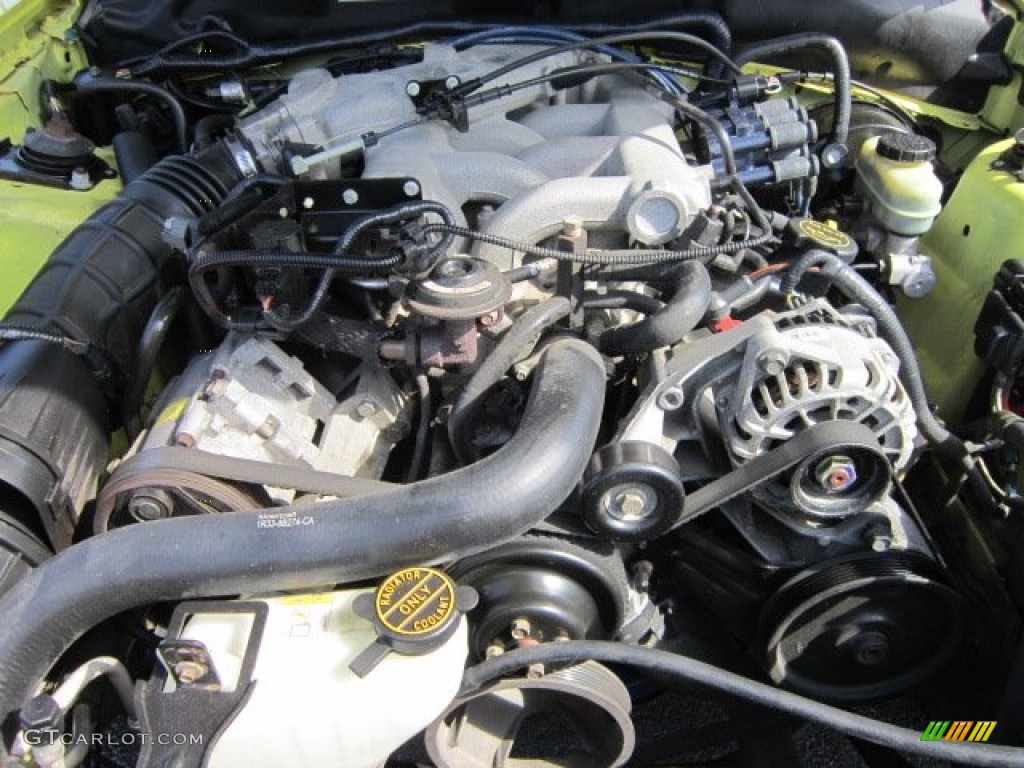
(902, 197)
(898, 182)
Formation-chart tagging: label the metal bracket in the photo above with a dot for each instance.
(189, 664)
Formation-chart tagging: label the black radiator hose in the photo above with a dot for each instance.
(668, 325)
(517, 344)
(98, 288)
(443, 518)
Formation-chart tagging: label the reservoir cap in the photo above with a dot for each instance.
(413, 611)
(806, 234)
(906, 148)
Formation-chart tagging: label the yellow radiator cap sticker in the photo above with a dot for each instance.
(414, 611)
(415, 602)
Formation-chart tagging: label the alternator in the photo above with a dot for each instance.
(810, 367)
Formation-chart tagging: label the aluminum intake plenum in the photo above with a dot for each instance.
(604, 152)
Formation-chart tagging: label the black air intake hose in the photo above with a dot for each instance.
(99, 286)
(443, 518)
(668, 325)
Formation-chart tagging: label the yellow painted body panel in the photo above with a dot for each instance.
(981, 226)
(37, 42)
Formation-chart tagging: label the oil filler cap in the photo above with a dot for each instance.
(413, 611)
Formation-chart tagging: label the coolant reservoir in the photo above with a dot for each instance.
(896, 177)
(307, 708)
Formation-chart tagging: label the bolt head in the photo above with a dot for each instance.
(153, 504)
(834, 155)
(350, 196)
(41, 713)
(572, 226)
(411, 188)
(308, 202)
(269, 427)
(412, 89)
(535, 671)
(451, 82)
(881, 544)
(494, 650)
(630, 502)
(520, 628)
(80, 179)
(671, 399)
(187, 672)
(836, 474)
(772, 361)
(871, 648)
(490, 319)
(366, 409)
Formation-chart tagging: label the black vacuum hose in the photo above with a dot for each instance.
(840, 71)
(150, 346)
(668, 325)
(857, 289)
(90, 85)
(439, 519)
(179, 56)
(134, 153)
(666, 664)
(424, 255)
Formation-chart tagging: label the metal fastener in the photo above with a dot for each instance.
(630, 502)
(772, 361)
(187, 672)
(671, 399)
(520, 628)
(836, 473)
(366, 409)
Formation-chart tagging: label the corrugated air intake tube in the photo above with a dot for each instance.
(94, 295)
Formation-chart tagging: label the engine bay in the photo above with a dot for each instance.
(456, 399)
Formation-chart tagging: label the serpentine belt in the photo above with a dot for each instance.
(175, 465)
(173, 461)
(830, 436)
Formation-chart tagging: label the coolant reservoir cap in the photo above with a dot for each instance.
(806, 234)
(413, 611)
(906, 148)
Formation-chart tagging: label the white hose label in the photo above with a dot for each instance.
(290, 519)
